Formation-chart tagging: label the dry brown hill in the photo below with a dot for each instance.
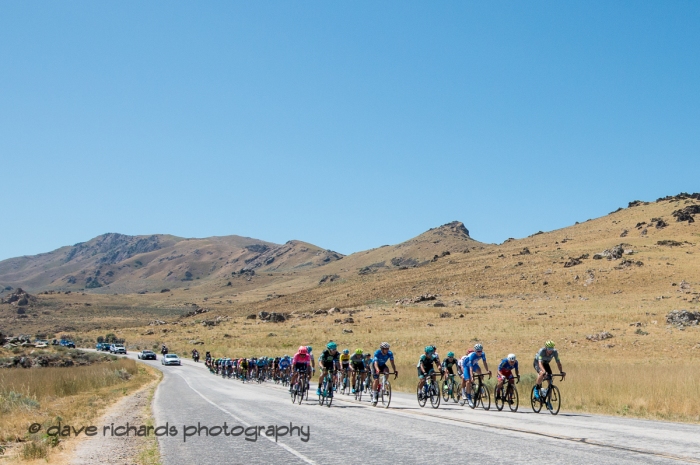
(127, 264)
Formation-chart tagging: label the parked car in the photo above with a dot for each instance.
(67, 343)
(147, 355)
(117, 349)
(106, 346)
(170, 359)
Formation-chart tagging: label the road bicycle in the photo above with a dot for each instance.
(480, 393)
(300, 388)
(549, 396)
(508, 394)
(360, 384)
(430, 390)
(451, 389)
(345, 383)
(327, 387)
(384, 391)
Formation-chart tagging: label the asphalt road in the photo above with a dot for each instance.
(352, 432)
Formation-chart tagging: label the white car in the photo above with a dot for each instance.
(170, 359)
(117, 349)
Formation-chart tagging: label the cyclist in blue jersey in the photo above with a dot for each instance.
(505, 372)
(471, 367)
(381, 356)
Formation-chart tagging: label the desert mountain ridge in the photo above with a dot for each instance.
(118, 263)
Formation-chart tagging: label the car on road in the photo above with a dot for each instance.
(117, 349)
(147, 355)
(67, 343)
(170, 359)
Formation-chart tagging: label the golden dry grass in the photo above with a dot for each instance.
(71, 396)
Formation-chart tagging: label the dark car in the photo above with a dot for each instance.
(147, 355)
(67, 343)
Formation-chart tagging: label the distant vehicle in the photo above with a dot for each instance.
(170, 359)
(39, 344)
(117, 349)
(103, 346)
(67, 343)
(147, 355)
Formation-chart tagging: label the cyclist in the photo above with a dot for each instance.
(541, 364)
(300, 364)
(285, 363)
(345, 363)
(261, 364)
(471, 367)
(357, 365)
(448, 366)
(243, 365)
(505, 372)
(425, 367)
(379, 360)
(311, 356)
(328, 360)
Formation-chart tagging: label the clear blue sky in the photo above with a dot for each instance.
(345, 124)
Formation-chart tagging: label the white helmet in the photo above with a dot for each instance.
(511, 357)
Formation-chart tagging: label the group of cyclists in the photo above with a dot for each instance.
(342, 364)
(251, 369)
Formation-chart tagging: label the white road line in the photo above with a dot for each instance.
(284, 446)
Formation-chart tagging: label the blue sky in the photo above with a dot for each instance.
(345, 124)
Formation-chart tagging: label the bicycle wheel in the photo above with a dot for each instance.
(512, 398)
(385, 394)
(422, 399)
(485, 397)
(554, 399)
(303, 389)
(294, 392)
(500, 401)
(475, 396)
(536, 404)
(456, 391)
(446, 390)
(435, 395)
(322, 397)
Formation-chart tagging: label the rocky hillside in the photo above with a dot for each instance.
(119, 263)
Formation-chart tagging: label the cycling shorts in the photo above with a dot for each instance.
(546, 366)
(358, 366)
(475, 369)
(422, 375)
(301, 366)
(346, 366)
(382, 369)
(505, 374)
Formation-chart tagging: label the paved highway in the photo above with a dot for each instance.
(352, 432)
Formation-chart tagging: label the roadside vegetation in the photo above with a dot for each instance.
(68, 395)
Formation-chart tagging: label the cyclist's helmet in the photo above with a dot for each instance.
(270, 359)
(511, 357)
(450, 354)
(303, 350)
(549, 344)
(429, 349)
(346, 351)
(478, 347)
(331, 346)
(358, 351)
(309, 348)
(384, 345)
